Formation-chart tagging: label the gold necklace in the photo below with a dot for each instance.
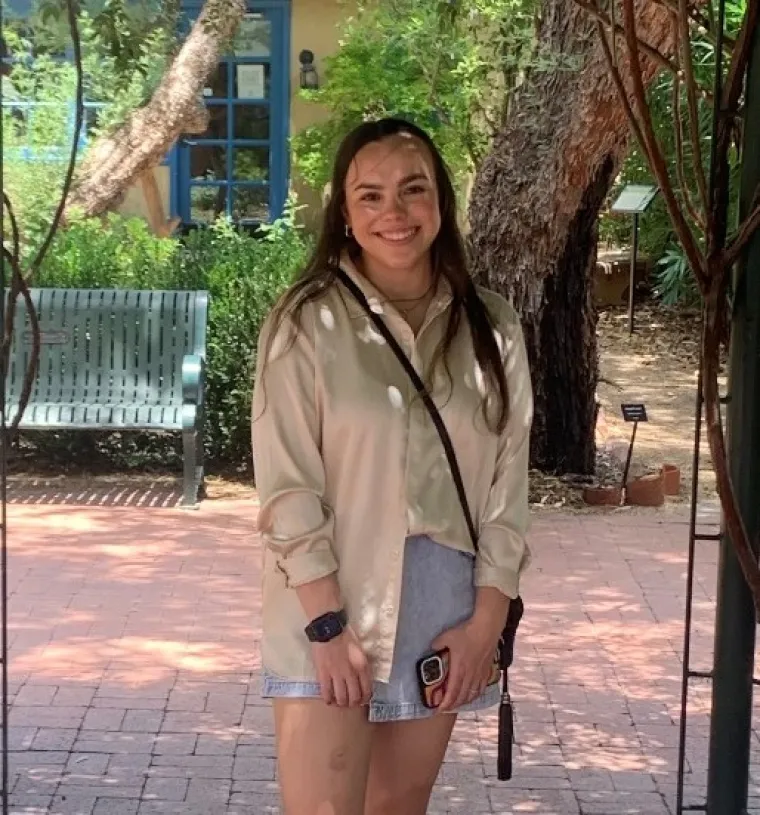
(415, 301)
(409, 309)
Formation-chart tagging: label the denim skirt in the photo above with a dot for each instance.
(437, 593)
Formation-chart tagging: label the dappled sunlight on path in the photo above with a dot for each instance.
(135, 660)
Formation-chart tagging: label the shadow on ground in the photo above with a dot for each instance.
(134, 667)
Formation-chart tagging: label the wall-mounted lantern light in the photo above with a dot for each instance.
(309, 75)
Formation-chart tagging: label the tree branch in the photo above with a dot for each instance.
(19, 281)
(740, 57)
(14, 261)
(712, 269)
(687, 65)
(743, 235)
(619, 84)
(735, 526)
(696, 216)
(705, 25)
(648, 49)
(15, 234)
(710, 22)
(721, 171)
(19, 286)
(654, 154)
(116, 160)
(78, 119)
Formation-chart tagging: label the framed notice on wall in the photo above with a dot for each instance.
(250, 81)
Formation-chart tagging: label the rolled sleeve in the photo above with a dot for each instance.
(307, 566)
(294, 521)
(504, 571)
(503, 550)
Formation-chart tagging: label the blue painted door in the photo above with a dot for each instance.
(239, 166)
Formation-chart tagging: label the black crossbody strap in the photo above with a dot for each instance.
(419, 385)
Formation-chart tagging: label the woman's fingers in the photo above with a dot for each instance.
(464, 693)
(341, 691)
(354, 689)
(479, 688)
(326, 689)
(455, 685)
(344, 672)
(464, 686)
(365, 683)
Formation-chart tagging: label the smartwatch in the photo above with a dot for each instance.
(327, 627)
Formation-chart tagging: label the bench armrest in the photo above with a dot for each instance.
(193, 379)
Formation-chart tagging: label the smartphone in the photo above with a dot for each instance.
(432, 671)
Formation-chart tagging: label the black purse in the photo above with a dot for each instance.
(516, 607)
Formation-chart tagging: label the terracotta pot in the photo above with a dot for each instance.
(609, 496)
(646, 491)
(671, 479)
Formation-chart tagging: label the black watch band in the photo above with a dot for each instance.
(327, 627)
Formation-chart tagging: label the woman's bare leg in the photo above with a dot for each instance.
(405, 761)
(323, 755)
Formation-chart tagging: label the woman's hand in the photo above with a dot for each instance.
(343, 670)
(472, 649)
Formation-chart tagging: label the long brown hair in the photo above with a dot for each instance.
(448, 258)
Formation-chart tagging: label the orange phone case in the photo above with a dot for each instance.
(432, 693)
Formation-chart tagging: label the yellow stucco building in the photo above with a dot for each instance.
(241, 165)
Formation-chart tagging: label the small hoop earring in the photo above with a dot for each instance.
(349, 233)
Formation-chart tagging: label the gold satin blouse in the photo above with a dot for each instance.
(348, 464)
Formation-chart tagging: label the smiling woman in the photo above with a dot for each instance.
(392, 210)
(369, 565)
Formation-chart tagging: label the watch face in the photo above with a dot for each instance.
(328, 628)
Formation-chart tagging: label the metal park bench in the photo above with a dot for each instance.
(116, 360)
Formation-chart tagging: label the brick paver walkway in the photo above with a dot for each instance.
(134, 656)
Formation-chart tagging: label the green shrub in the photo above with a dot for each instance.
(120, 253)
(674, 281)
(450, 68)
(125, 48)
(244, 275)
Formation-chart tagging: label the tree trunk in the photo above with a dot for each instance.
(116, 161)
(534, 211)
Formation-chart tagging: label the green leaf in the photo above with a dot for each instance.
(444, 67)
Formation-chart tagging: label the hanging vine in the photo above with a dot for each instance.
(712, 250)
(22, 273)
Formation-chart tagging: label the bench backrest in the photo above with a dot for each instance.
(109, 346)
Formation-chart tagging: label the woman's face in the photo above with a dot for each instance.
(392, 201)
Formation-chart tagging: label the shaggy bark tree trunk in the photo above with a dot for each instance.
(116, 161)
(533, 218)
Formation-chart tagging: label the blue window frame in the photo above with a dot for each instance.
(27, 139)
(239, 167)
(31, 118)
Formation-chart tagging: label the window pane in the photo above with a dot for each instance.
(251, 164)
(91, 115)
(217, 123)
(251, 81)
(207, 203)
(254, 37)
(216, 84)
(250, 203)
(208, 163)
(251, 121)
